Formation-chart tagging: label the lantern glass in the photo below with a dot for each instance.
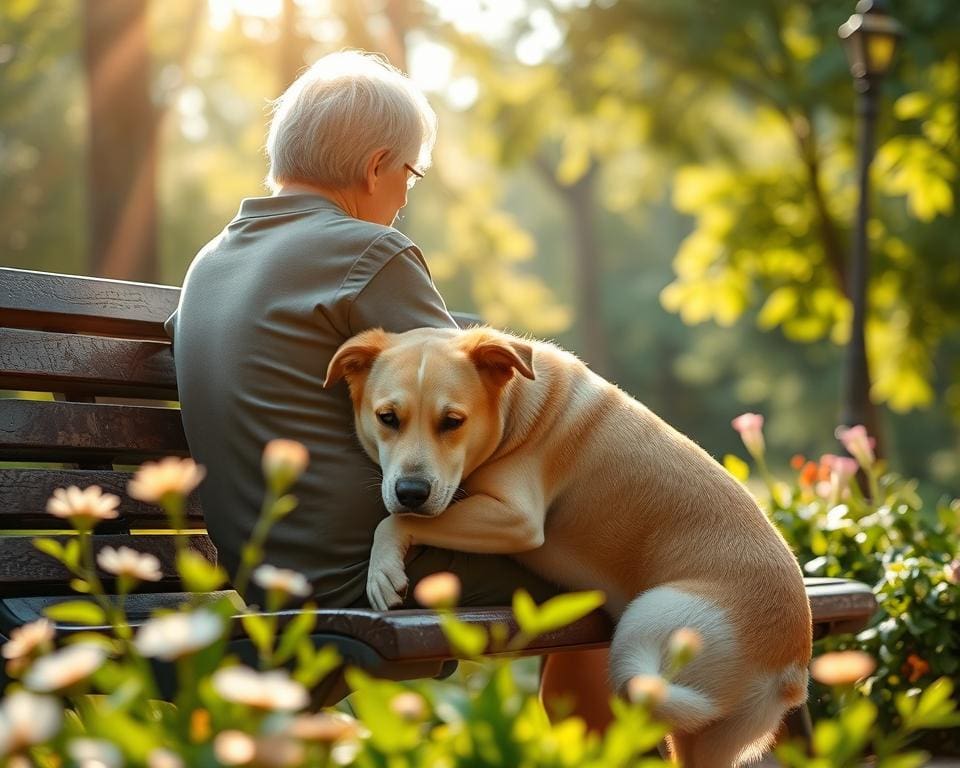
(880, 47)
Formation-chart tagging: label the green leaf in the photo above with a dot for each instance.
(298, 628)
(562, 610)
(198, 574)
(524, 611)
(77, 612)
(283, 507)
(390, 733)
(314, 665)
(905, 760)
(260, 629)
(50, 547)
(71, 553)
(736, 467)
(466, 640)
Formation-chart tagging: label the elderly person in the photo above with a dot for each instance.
(268, 301)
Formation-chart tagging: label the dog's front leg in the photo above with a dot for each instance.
(386, 577)
(479, 523)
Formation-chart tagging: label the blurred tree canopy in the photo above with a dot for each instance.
(598, 162)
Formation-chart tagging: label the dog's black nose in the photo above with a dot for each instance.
(412, 492)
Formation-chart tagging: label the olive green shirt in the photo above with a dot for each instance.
(264, 307)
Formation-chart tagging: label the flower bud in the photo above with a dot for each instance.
(438, 590)
(750, 427)
(684, 646)
(283, 462)
(410, 706)
(647, 690)
(842, 667)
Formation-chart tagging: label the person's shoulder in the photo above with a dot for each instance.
(386, 241)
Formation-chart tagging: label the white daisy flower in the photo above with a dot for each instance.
(156, 479)
(234, 748)
(94, 753)
(175, 635)
(283, 580)
(89, 505)
(27, 719)
(161, 757)
(26, 639)
(64, 668)
(273, 690)
(128, 562)
(325, 727)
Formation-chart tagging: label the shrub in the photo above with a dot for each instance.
(876, 529)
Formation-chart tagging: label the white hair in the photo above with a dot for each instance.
(345, 107)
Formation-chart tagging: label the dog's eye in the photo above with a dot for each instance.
(451, 422)
(389, 419)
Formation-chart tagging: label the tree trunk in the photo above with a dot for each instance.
(291, 45)
(122, 155)
(580, 204)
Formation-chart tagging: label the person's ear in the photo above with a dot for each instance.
(375, 168)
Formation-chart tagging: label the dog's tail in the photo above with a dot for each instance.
(641, 647)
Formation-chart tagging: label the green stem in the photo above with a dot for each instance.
(253, 551)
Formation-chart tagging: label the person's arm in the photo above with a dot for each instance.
(399, 297)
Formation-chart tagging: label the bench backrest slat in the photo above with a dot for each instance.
(25, 570)
(99, 365)
(33, 430)
(45, 301)
(24, 494)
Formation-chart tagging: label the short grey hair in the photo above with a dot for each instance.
(346, 106)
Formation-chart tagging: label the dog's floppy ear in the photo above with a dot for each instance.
(498, 356)
(356, 355)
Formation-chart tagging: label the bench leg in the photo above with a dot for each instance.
(799, 726)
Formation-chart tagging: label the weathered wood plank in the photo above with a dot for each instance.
(122, 434)
(101, 365)
(53, 302)
(24, 570)
(24, 494)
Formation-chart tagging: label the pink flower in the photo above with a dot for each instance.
(750, 427)
(858, 444)
(952, 571)
(844, 468)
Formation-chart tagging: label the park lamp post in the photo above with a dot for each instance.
(870, 37)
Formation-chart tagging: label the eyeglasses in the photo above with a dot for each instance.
(414, 175)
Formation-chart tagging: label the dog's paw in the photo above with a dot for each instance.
(386, 585)
(386, 577)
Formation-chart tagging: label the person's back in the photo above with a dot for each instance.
(264, 307)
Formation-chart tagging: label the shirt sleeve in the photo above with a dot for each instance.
(399, 297)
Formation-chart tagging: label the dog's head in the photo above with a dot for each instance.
(427, 406)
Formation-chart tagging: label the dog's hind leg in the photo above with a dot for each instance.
(732, 741)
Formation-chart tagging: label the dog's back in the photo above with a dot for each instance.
(638, 509)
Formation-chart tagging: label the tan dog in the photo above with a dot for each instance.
(589, 488)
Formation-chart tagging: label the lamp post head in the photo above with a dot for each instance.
(870, 37)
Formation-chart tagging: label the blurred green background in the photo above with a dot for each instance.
(666, 187)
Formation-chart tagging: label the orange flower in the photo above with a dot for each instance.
(808, 475)
(798, 461)
(915, 668)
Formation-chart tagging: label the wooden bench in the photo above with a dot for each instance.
(99, 347)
